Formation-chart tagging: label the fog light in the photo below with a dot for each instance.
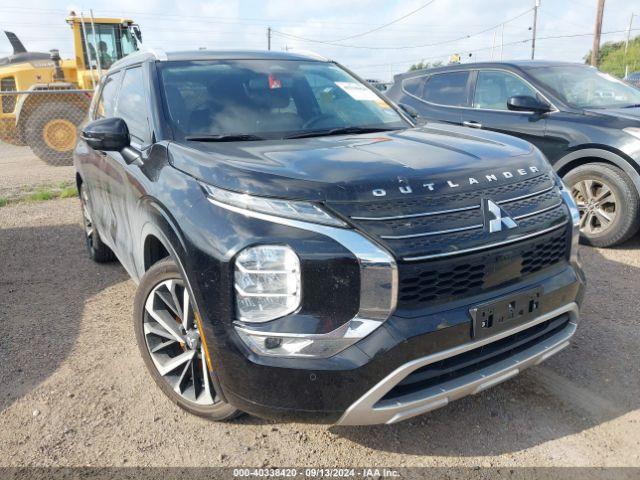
(267, 283)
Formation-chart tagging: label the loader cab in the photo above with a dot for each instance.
(99, 43)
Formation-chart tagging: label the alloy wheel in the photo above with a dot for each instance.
(597, 204)
(86, 216)
(174, 343)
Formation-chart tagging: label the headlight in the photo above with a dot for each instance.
(267, 283)
(633, 131)
(304, 211)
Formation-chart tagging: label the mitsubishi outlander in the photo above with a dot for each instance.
(304, 252)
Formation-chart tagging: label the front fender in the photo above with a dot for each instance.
(566, 163)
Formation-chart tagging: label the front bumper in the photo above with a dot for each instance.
(372, 409)
(352, 388)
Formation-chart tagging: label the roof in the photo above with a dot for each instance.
(506, 63)
(161, 56)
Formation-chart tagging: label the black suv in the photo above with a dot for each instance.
(587, 123)
(302, 251)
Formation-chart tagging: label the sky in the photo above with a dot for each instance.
(435, 32)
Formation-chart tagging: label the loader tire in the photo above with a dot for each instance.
(51, 131)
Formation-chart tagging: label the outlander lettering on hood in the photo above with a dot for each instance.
(406, 188)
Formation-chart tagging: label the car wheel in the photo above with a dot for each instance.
(172, 345)
(608, 202)
(98, 251)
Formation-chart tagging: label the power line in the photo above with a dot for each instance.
(362, 34)
(407, 47)
(516, 42)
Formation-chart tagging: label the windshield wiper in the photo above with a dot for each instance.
(635, 105)
(224, 137)
(340, 131)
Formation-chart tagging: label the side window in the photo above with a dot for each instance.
(493, 89)
(447, 89)
(413, 85)
(107, 103)
(132, 105)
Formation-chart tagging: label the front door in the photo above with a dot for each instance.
(488, 110)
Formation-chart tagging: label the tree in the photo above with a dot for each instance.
(611, 58)
(422, 65)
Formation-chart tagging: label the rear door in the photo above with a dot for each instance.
(439, 96)
(95, 178)
(492, 89)
(124, 188)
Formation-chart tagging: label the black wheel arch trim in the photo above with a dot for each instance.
(162, 226)
(624, 164)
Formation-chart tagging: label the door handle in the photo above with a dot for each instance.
(472, 124)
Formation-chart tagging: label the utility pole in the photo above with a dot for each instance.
(626, 47)
(268, 38)
(501, 41)
(493, 46)
(535, 24)
(595, 50)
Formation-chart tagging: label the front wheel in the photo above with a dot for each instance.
(608, 202)
(172, 345)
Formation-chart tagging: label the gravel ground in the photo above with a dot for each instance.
(22, 170)
(74, 391)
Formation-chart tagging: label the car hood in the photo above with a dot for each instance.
(431, 159)
(621, 113)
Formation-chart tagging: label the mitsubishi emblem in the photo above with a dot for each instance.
(495, 217)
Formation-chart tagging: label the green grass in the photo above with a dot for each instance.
(68, 192)
(41, 194)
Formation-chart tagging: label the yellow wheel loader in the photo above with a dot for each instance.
(43, 98)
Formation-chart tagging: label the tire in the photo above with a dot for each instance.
(98, 251)
(51, 131)
(187, 383)
(608, 201)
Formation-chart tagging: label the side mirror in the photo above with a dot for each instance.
(409, 110)
(107, 134)
(527, 103)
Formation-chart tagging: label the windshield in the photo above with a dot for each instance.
(585, 87)
(110, 43)
(268, 99)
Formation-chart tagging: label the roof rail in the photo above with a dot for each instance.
(309, 53)
(158, 53)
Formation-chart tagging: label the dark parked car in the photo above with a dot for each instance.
(587, 123)
(303, 252)
(633, 79)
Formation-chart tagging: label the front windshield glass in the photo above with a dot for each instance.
(269, 99)
(585, 87)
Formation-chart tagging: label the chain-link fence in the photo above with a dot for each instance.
(45, 121)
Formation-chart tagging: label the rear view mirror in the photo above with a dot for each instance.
(527, 103)
(107, 134)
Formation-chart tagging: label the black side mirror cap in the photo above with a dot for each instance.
(107, 134)
(527, 103)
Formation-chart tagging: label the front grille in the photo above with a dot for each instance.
(444, 251)
(429, 226)
(476, 359)
(8, 84)
(432, 282)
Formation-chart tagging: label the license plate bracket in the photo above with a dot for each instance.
(499, 315)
